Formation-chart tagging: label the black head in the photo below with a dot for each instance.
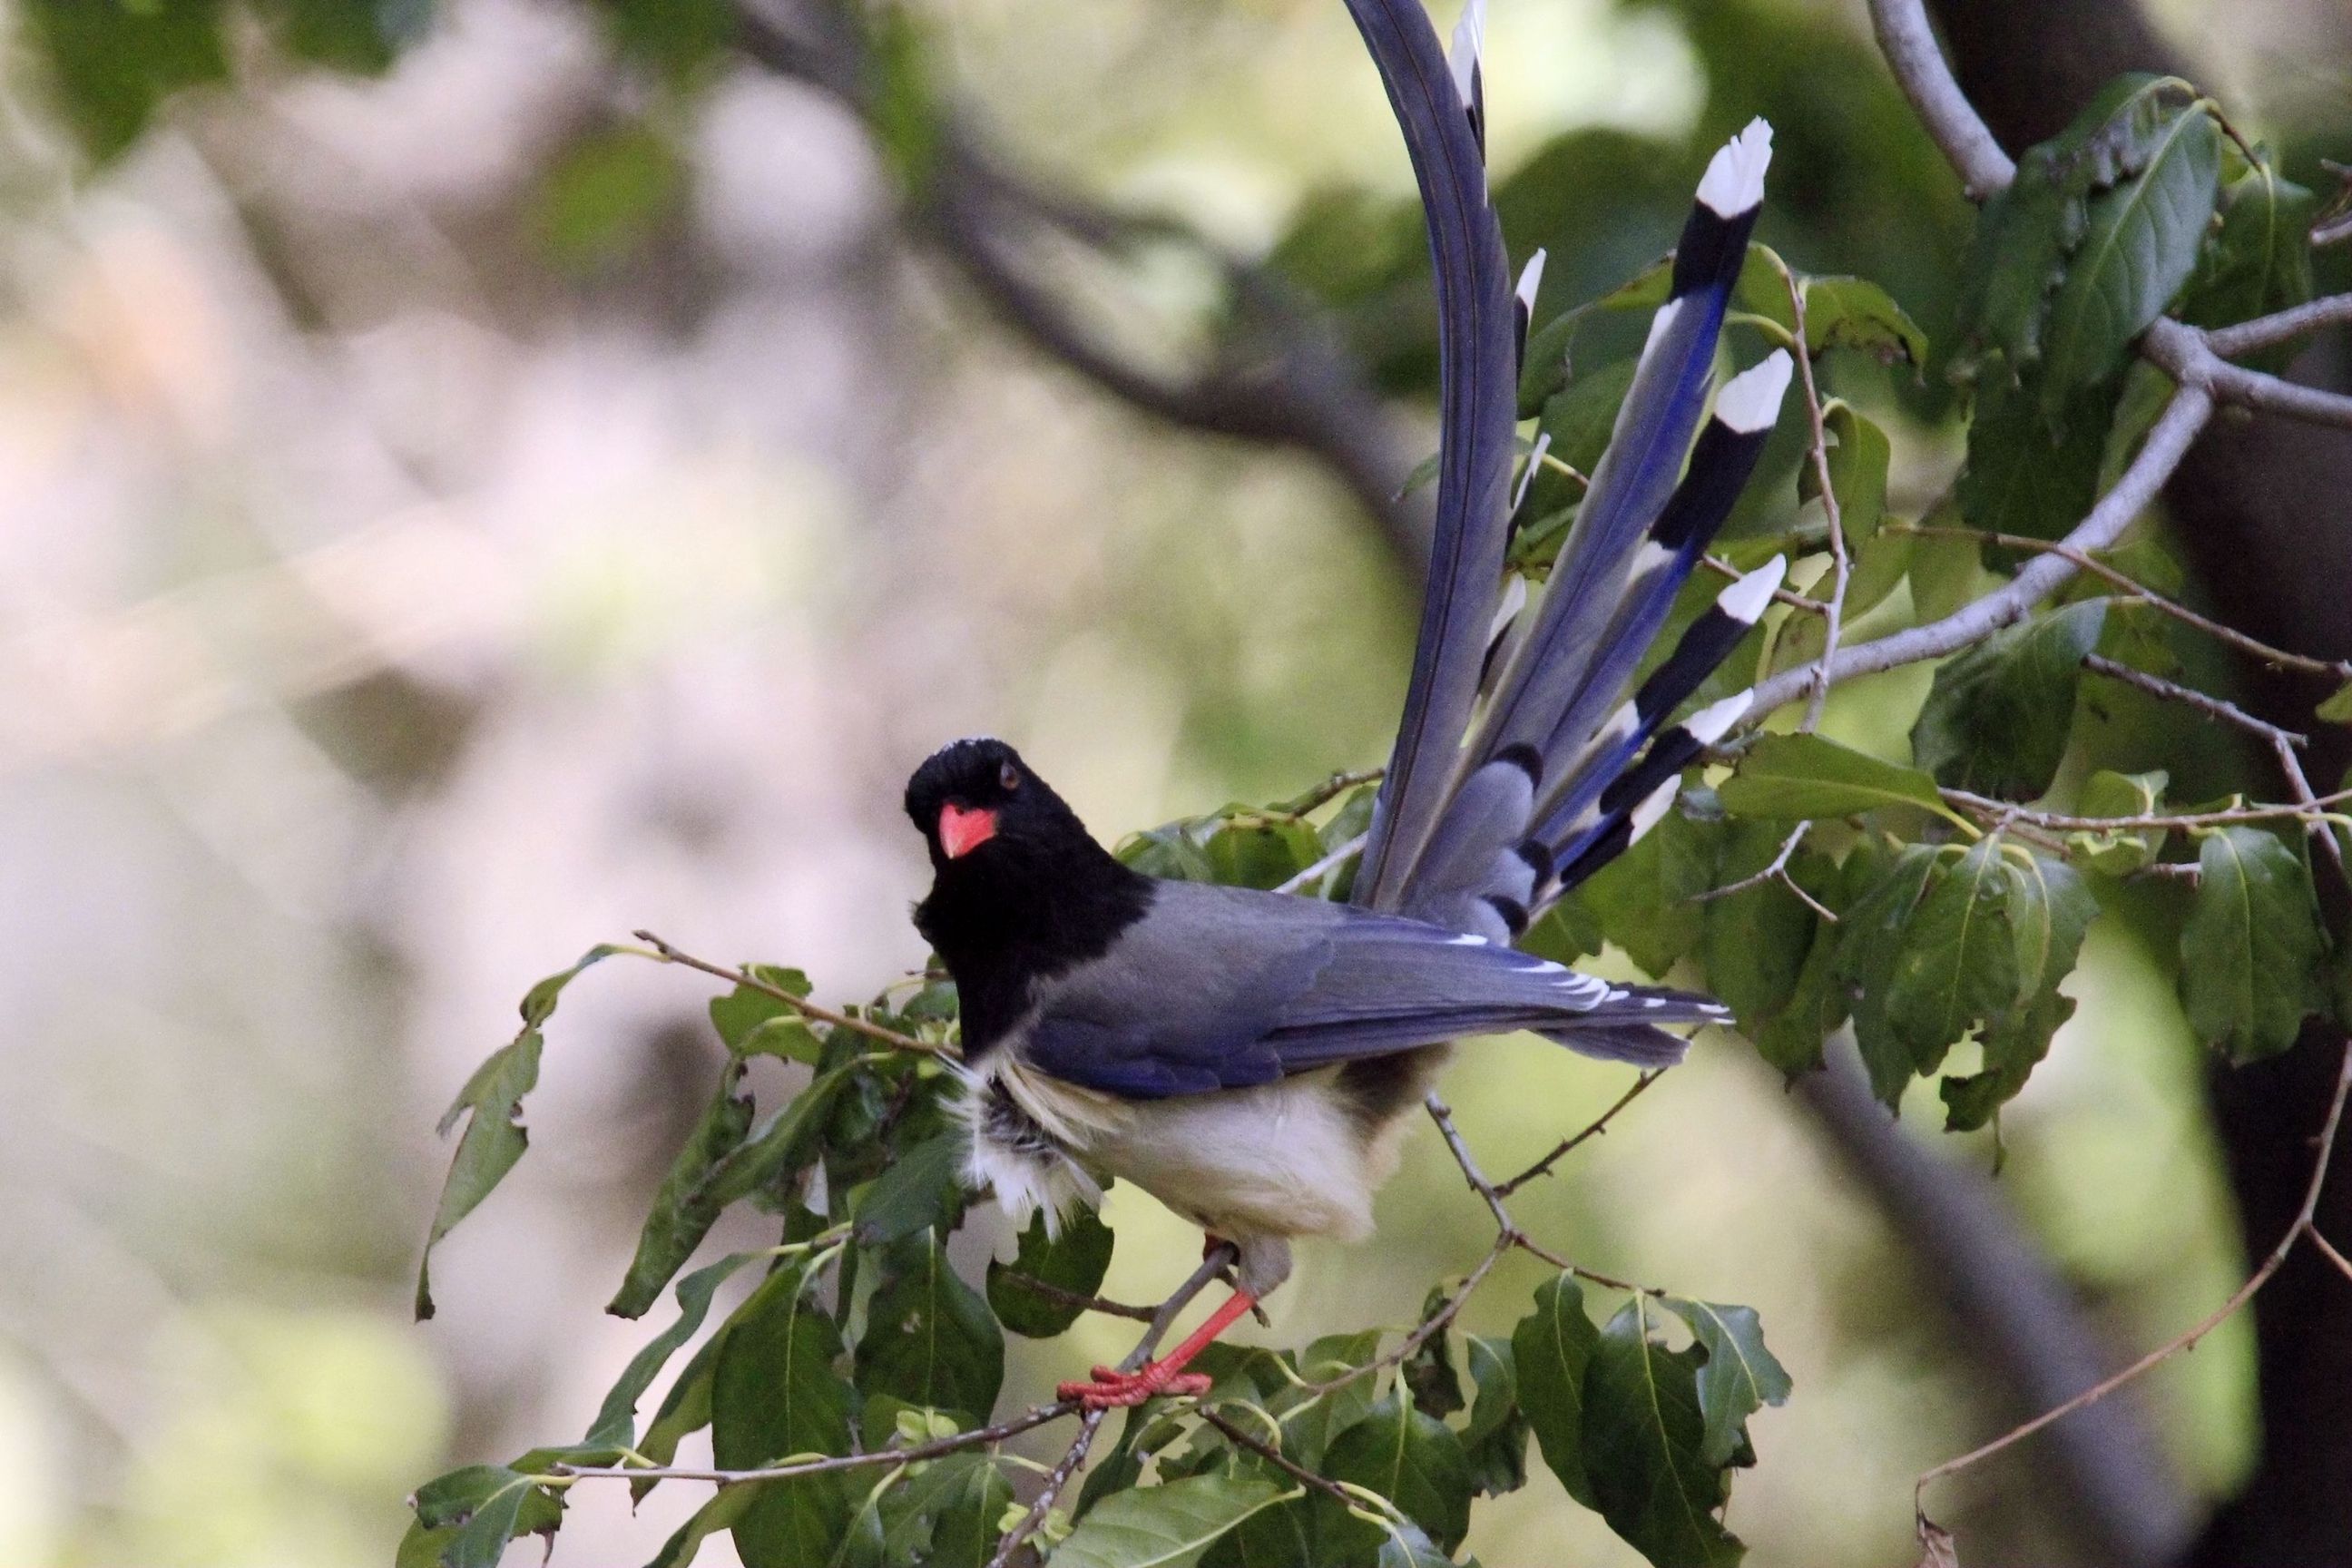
(1020, 890)
(978, 807)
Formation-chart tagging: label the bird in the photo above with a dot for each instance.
(1251, 1059)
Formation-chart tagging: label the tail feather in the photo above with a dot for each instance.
(1440, 108)
(1637, 473)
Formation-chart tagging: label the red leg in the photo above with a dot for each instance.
(1112, 1387)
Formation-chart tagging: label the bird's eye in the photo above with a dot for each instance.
(1008, 777)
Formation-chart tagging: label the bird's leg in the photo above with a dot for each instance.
(1112, 1388)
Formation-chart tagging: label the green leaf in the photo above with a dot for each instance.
(1414, 1460)
(1997, 717)
(608, 194)
(615, 1422)
(1799, 775)
(1496, 1440)
(2028, 475)
(1261, 853)
(2027, 233)
(538, 1001)
(2138, 252)
(1855, 313)
(1075, 1262)
(2253, 947)
(2120, 852)
(1644, 898)
(783, 1145)
(1310, 1424)
(677, 36)
(775, 1395)
(477, 1510)
(2259, 261)
(1957, 966)
(1642, 1436)
(1879, 566)
(2048, 910)
(1164, 1526)
(362, 36)
(1550, 1352)
(921, 1189)
(1871, 939)
(682, 1213)
(930, 1340)
(1428, 1372)
(494, 1140)
(114, 61)
(2337, 710)
(1756, 940)
(965, 1505)
(720, 1513)
(753, 1022)
(1857, 466)
(1738, 1378)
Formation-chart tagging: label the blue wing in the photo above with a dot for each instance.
(1226, 988)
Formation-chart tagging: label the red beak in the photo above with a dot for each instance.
(963, 830)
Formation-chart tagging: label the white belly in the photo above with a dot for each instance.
(1281, 1160)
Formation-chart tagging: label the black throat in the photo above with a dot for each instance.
(1013, 914)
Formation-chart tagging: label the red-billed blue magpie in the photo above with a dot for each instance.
(1251, 1058)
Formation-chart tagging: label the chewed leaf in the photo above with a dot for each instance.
(491, 1103)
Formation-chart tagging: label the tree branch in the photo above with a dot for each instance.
(1972, 622)
(1908, 42)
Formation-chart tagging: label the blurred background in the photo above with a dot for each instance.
(451, 518)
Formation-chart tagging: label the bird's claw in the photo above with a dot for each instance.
(1112, 1389)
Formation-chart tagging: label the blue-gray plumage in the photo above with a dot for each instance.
(1251, 1058)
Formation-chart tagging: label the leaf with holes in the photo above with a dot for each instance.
(1855, 313)
(2048, 910)
(494, 1140)
(2138, 252)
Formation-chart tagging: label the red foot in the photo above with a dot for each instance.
(1112, 1389)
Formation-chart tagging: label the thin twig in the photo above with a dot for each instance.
(2303, 1225)
(1055, 1479)
(1777, 871)
(1331, 862)
(2299, 785)
(2214, 707)
(666, 953)
(1276, 1458)
(1598, 1127)
(2264, 331)
(2329, 1247)
(2184, 353)
(2262, 652)
(1990, 809)
(1795, 601)
(1841, 564)
(1330, 789)
(1062, 1298)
